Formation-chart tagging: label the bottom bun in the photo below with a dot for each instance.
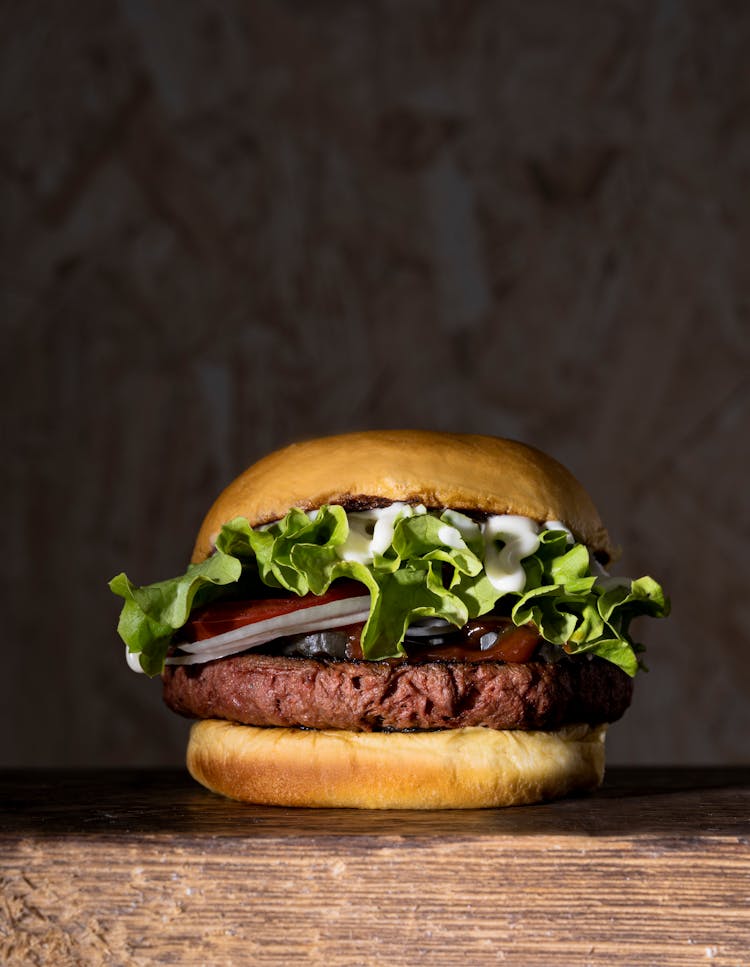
(452, 769)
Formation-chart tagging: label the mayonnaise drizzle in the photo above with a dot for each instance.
(557, 525)
(507, 538)
(468, 529)
(520, 538)
(371, 531)
(451, 537)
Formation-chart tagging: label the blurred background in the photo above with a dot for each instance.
(228, 226)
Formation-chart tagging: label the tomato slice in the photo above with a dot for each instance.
(221, 616)
(513, 644)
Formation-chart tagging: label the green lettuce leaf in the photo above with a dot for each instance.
(293, 553)
(433, 567)
(152, 614)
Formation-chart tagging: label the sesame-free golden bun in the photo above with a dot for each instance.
(461, 471)
(466, 768)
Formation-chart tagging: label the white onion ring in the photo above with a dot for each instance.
(333, 614)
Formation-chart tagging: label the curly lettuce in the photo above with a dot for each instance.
(429, 569)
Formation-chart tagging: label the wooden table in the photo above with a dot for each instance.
(139, 867)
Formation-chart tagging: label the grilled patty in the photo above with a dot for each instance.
(367, 696)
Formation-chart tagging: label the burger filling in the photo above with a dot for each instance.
(400, 583)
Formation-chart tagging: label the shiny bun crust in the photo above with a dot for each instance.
(453, 769)
(461, 471)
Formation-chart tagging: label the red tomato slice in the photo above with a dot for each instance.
(221, 616)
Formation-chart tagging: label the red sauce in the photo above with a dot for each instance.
(513, 644)
(221, 616)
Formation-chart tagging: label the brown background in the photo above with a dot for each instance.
(227, 226)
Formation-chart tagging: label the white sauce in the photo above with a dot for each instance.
(467, 528)
(371, 531)
(520, 538)
(507, 538)
(451, 537)
(557, 525)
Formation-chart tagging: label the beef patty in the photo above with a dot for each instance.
(367, 696)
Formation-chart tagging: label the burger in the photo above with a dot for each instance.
(395, 619)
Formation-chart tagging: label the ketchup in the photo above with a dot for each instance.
(513, 644)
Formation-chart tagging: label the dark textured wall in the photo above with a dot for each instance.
(226, 226)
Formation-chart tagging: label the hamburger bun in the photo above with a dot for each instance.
(451, 769)
(465, 472)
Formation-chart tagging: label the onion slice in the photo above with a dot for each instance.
(430, 628)
(334, 614)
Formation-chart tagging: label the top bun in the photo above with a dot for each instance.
(461, 471)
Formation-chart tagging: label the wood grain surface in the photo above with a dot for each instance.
(146, 867)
